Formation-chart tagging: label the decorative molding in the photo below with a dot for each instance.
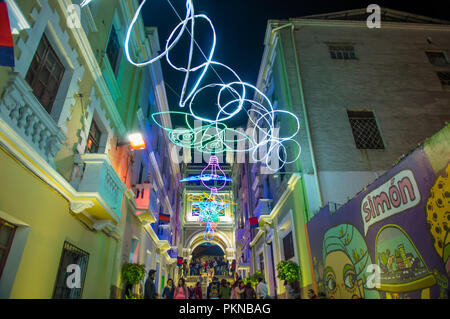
(23, 113)
(80, 206)
(48, 21)
(17, 19)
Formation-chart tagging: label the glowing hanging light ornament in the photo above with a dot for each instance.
(210, 231)
(261, 114)
(85, 3)
(205, 177)
(215, 174)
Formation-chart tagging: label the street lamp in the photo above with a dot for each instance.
(136, 141)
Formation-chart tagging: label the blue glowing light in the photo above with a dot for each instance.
(206, 178)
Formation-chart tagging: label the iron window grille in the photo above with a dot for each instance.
(7, 232)
(437, 58)
(365, 130)
(70, 255)
(45, 74)
(288, 246)
(342, 52)
(444, 77)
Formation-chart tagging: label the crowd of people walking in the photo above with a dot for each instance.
(216, 265)
(218, 290)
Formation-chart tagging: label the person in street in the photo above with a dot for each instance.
(261, 289)
(233, 267)
(291, 290)
(312, 294)
(233, 290)
(206, 266)
(198, 291)
(240, 290)
(322, 295)
(185, 269)
(249, 292)
(213, 289)
(149, 287)
(181, 291)
(225, 290)
(168, 290)
(215, 265)
(191, 269)
(191, 292)
(197, 268)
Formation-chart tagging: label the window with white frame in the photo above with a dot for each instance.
(288, 246)
(45, 74)
(113, 49)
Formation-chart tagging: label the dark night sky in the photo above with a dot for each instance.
(241, 24)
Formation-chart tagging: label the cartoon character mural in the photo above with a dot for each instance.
(396, 231)
(346, 260)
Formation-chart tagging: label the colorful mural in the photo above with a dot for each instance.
(391, 240)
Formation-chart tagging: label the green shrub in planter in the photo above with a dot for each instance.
(133, 273)
(289, 271)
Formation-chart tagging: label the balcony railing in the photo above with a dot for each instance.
(93, 173)
(142, 192)
(22, 111)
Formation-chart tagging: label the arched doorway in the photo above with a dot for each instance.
(207, 251)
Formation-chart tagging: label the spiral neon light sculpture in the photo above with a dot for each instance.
(261, 114)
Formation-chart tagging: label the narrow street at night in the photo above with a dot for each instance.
(229, 150)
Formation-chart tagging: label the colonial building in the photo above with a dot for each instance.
(74, 192)
(363, 96)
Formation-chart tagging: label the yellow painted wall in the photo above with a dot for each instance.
(29, 199)
(295, 202)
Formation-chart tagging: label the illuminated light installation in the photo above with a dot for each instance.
(85, 3)
(210, 207)
(205, 197)
(206, 177)
(261, 113)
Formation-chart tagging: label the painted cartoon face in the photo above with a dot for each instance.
(340, 278)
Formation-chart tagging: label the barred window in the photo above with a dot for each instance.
(437, 58)
(71, 255)
(342, 52)
(444, 77)
(365, 130)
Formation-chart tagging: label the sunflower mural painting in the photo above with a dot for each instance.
(396, 230)
(438, 216)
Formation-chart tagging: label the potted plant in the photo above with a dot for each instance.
(132, 275)
(289, 271)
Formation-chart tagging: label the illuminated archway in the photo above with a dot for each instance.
(220, 239)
